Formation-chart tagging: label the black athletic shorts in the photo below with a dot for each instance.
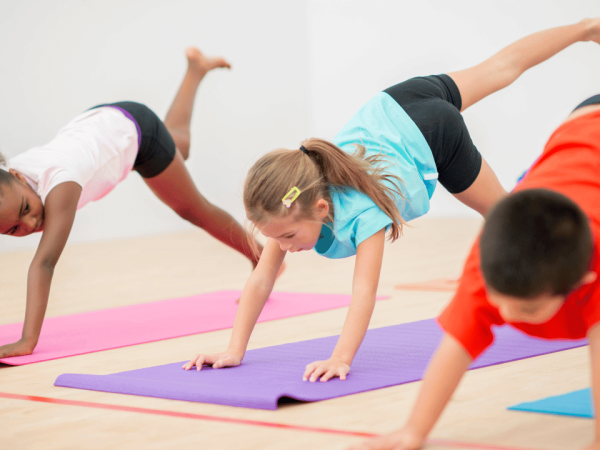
(594, 100)
(433, 103)
(156, 146)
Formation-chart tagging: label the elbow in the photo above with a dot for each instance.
(366, 290)
(185, 213)
(45, 265)
(504, 67)
(368, 296)
(260, 282)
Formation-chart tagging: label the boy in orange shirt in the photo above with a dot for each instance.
(535, 266)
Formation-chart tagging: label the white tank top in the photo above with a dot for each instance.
(96, 150)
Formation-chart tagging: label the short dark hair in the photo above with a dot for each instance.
(6, 178)
(535, 241)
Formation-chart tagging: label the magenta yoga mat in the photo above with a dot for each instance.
(130, 325)
(388, 356)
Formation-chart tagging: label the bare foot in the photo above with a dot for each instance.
(199, 62)
(593, 29)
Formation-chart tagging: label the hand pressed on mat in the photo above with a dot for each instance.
(403, 439)
(326, 370)
(18, 348)
(216, 360)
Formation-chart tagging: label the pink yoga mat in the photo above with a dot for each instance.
(137, 324)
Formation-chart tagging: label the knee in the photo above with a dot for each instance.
(186, 213)
(506, 69)
(196, 212)
(183, 145)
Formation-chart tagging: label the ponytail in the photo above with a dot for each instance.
(323, 165)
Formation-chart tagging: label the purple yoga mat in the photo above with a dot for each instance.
(388, 356)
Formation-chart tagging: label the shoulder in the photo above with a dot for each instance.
(356, 218)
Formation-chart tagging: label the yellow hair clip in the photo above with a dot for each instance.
(290, 196)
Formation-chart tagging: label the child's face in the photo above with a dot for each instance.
(21, 209)
(535, 310)
(295, 235)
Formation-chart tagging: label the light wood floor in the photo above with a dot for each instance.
(111, 274)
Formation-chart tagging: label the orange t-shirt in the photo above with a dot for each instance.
(570, 165)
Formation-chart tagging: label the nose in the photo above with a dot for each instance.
(31, 223)
(285, 247)
(506, 313)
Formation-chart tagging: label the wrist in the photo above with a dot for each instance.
(416, 433)
(30, 342)
(343, 359)
(236, 352)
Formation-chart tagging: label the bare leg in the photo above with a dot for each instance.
(499, 71)
(175, 187)
(485, 191)
(179, 115)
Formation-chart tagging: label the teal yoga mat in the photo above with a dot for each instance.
(576, 404)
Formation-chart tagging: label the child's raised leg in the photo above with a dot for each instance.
(179, 116)
(504, 67)
(501, 70)
(485, 191)
(174, 186)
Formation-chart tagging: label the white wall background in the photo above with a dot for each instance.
(300, 68)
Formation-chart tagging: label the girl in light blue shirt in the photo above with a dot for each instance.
(341, 198)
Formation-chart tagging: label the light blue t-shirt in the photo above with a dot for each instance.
(382, 127)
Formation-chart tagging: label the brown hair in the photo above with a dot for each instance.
(273, 175)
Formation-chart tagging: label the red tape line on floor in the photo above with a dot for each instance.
(159, 412)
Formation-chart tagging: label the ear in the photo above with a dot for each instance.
(588, 278)
(322, 208)
(18, 175)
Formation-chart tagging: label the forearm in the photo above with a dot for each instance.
(38, 290)
(510, 62)
(355, 327)
(369, 256)
(255, 294)
(443, 375)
